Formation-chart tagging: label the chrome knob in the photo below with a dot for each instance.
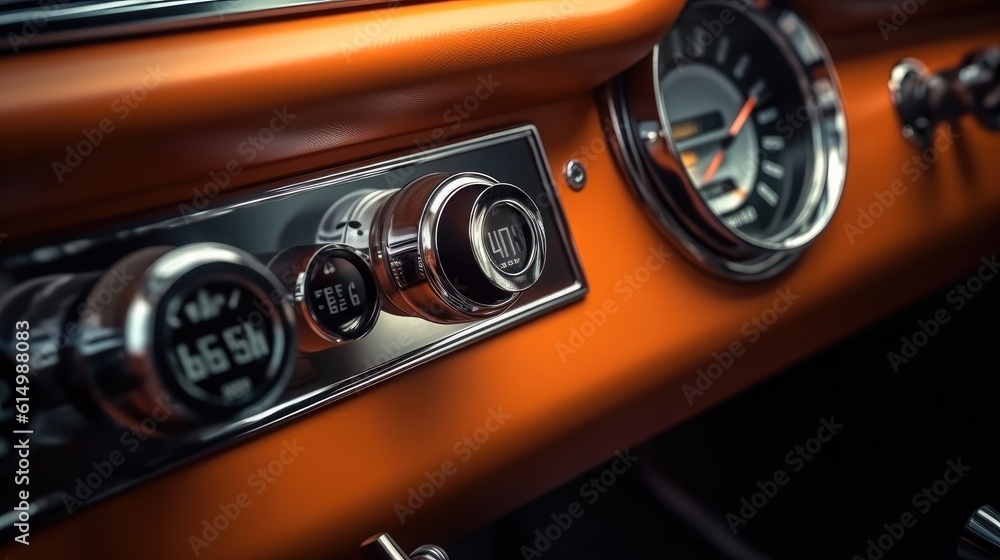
(186, 336)
(456, 248)
(334, 293)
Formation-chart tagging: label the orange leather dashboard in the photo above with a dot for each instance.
(173, 107)
(600, 375)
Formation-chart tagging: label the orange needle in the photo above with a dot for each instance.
(741, 118)
(734, 131)
(714, 166)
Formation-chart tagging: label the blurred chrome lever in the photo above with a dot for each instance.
(981, 538)
(382, 547)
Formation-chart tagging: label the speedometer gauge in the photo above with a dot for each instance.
(732, 130)
(723, 110)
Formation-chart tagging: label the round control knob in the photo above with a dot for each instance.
(334, 293)
(187, 336)
(924, 99)
(455, 248)
(979, 86)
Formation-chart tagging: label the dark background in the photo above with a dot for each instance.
(900, 430)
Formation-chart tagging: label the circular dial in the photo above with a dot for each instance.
(732, 131)
(204, 330)
(455, 248)
(339, 293)
(218, 341)
(335, 292)
(739, 120)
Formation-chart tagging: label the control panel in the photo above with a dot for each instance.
(165, 338)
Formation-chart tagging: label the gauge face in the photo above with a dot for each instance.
(220, 341)
(737, 116)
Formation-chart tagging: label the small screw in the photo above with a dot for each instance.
(576, 175)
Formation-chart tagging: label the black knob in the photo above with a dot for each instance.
(979, 86)
(924, 99)
(455, 248)
(190, 335)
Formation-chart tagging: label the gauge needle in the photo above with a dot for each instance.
(734, 131)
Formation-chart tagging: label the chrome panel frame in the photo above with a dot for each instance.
(49, 506)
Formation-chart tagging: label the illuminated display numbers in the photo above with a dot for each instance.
(507, 246)
(686, 130)
(209, 358)
(337, 297)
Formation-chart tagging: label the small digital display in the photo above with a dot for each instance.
(508, 238)
(337, 293)
(698, 125)
(219, 339)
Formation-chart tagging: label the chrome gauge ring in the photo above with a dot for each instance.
(733, 133)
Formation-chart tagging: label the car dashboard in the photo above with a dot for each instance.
(279, 276)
